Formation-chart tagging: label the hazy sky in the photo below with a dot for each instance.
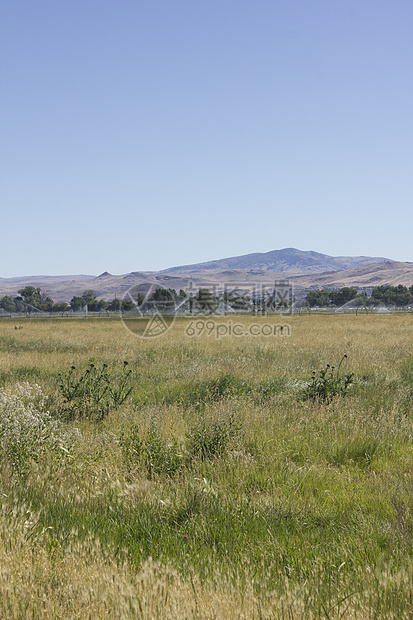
(143, 134)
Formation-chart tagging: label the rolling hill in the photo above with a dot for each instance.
(288, 260)
(306, 271)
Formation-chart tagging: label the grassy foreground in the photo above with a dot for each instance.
(216, 489)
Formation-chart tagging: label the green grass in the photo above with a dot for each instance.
(216, 465)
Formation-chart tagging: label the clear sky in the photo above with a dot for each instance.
(144, 134)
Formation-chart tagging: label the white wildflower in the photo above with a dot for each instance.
(27, 429)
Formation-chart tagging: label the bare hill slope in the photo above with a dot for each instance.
(106, 286)
(288, 260)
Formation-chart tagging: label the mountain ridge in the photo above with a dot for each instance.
(307, 276)
(288, 260)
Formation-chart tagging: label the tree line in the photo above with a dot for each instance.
(31, 299)
(387, 295)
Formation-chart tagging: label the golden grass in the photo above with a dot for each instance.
(372, 341)
(314, 463)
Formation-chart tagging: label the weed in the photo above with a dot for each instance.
(120, 386)
(132, 444)
(319, 518)
(151, 451)
(326, 384)
(27, 431)
(93, 393)
(210, 438)
(160, 457)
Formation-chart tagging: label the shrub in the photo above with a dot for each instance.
(94, 392)
(27, 431)
(326, 384)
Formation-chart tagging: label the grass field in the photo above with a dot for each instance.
(218, 488)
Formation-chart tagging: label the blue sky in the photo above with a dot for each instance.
(140, 135)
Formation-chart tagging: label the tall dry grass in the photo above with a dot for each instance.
(305, 512)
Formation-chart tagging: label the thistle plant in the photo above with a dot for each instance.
(326, 384)
(120, 387)
(94, 392)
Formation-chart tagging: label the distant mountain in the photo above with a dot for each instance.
(58, 287)
(23, 281)
(390, 273)
(306, 270)
(288, 261)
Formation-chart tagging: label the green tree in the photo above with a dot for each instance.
(31, 295)
(343, 296)
(77, 303)
(88, 298)
(163, 294)
(114, 305)
(37, 298)
(46, 304)
(318, 298)
(60, 307)
(392, 295)
(8, 304)
(120, 304)
(206, 301)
